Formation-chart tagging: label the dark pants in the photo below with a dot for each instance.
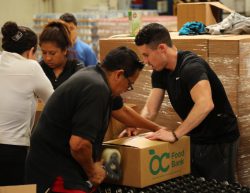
(214, 161)
(12, 163)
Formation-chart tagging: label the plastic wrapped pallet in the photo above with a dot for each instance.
(229, 54)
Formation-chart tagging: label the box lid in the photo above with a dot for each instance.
(138, 141)
(220, 6)
(215, 4)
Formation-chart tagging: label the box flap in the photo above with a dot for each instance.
(138, 141)
(221, 6)
(215, 4)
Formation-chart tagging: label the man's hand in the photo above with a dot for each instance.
(162, 134)
(98, 174)
(128, 132)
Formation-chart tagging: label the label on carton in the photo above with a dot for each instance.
(162, 163)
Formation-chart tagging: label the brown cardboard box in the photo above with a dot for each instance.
(206, 12)
(145, 162)
(18, 189)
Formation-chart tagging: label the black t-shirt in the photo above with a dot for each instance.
(81, 106)
(70, 68)
(221, 124)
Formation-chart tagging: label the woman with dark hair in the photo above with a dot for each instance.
(55, 40)
(22, 80)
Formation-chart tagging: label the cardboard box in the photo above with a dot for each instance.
(207, 12)
(145, 162)
(18, 189)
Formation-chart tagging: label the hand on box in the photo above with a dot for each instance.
(131, 131)
(162, 134)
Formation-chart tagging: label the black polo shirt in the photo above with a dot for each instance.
(81, 106)
(221, 124)
(70, 68)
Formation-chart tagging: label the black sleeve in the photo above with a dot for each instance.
(157, 79)
(193, 72)
(117, 103)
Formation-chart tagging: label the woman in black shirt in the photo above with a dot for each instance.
(54, 41)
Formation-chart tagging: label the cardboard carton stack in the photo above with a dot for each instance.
(229, 57)
(192, 43)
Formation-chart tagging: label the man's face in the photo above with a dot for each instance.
(153, 57)
(73, 31)
(122, 83)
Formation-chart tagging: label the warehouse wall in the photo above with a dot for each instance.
(22, 11)
(79, 5)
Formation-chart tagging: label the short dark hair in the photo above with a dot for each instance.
(68, 17)
(18, 39)
(58, 32)
(122, 58)
(153, 34)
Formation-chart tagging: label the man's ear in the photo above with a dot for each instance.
(119, 73)
(162, 47)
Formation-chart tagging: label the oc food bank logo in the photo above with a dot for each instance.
(163, 162)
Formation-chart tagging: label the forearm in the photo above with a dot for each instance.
(131, 118)
(153, 104)
(198, 113)
(82, 153)
(146, 113)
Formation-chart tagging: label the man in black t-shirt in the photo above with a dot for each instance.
(65, 146)
(197, 96)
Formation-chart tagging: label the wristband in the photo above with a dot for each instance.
(175, 137)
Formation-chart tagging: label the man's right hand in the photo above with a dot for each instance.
(98, 174)
(130, 131)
